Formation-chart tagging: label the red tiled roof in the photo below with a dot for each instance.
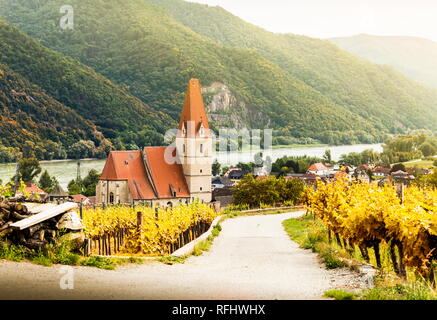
(399, 173)
(129, 166)
(93, 199)
(193, 111)
(78, 198)
(381, 170)
(32, 188)
(166, 176)
(317, 167)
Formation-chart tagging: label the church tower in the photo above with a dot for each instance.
(194, 144)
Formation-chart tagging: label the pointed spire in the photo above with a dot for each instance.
(193, 113)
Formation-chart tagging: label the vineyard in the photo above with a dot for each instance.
(159, 231)
(366, 216)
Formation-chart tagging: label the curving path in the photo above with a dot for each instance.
(253, 258)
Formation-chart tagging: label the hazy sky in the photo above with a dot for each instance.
(332, 18)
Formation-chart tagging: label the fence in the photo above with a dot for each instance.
(114, 242)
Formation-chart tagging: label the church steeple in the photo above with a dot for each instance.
(193, 116)
(194, 144)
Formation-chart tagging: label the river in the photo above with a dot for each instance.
(66, 170)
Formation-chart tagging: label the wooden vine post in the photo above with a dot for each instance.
(139, 226)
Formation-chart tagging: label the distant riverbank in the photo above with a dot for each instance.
(66, 170)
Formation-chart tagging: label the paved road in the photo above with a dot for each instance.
(252, 258)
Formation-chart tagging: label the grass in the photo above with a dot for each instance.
(170, 260)
(202, 246)
(340, 295)
(312, 234)
(422, 164)
(59, 254)
(199, 248)
(413, 291)
(42, 260)
(205, 245)
(12, 252)
(99, 262)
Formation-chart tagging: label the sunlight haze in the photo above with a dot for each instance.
(337, 18)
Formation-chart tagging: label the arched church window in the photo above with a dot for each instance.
(111, 197)
(201, 148)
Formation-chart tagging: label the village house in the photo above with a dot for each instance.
(380, 171)
(402, 177)
(33, 192)
(307, 178)
(81, 199)
(164, 176)
(221, 182)
(58, 194)
(236, 175)
(318, 169)
(224, 196)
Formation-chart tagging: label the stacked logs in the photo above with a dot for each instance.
(35, 237)
(11, 211)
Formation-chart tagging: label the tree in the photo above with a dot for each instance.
(28, 169)
(247, 167)
(216, 168)
(46, 182)
(370, 174)
(427, 149)
(292, 191)
(269, 191)
(397, 167)
(429, 180)
(102, 151)
(89, 183)
(28, 149)
(369, 156)
(353, 158)
(81, 149)
(75, 187)
(327, 156)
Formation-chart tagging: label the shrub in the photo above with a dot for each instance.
(340, 295)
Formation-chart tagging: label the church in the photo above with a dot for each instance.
(164, 176)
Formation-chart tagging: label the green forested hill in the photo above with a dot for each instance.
(93, 97)
(376, 92)
(300, 86)
(415, 57)
(36, 124)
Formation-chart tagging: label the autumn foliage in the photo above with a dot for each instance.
(366, 215)
(158, 231)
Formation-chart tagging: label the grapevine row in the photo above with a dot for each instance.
(158, 231)
(366, 215)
